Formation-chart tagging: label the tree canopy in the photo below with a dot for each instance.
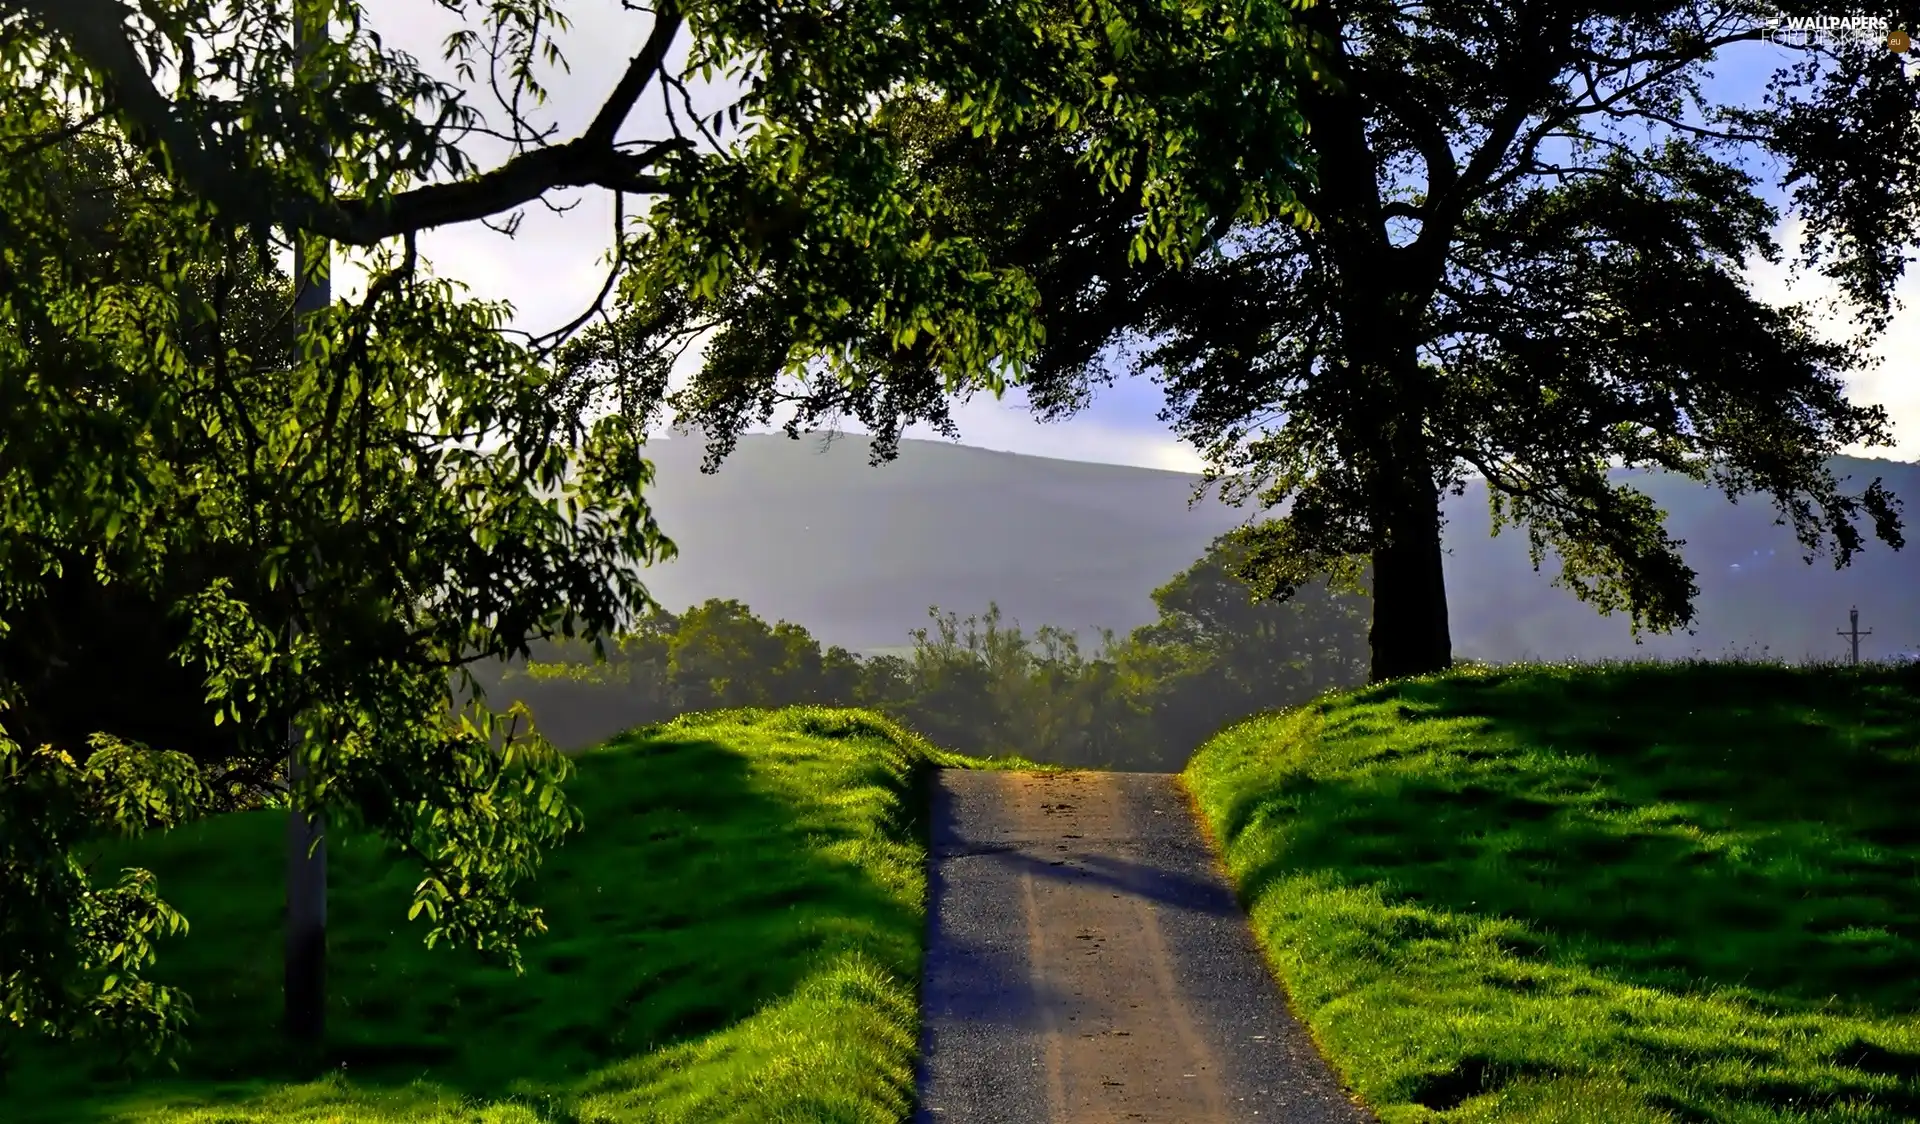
(320, 520)
(317, 533)
(1523, 260)
(1533, 220)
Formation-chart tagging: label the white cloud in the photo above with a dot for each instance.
(1007, 426)
(1894, 382)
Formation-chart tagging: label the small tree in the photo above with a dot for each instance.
(722, 654)
(1219, 653)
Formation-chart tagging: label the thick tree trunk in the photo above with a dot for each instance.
(1385, 291)
(1410, 635)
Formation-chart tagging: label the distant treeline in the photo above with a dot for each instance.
(979, 684)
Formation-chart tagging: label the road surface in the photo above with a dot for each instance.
(1087, 964)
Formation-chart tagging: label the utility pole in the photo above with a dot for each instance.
(1854, 634)
(306, 935)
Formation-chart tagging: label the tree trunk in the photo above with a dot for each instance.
(1385, 291)
(306, 936)
(305, 984)
(1410, 635)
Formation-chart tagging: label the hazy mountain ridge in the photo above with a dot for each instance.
(1757, 593)
(808, 531)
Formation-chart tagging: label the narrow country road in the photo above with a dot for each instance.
(1087, 964)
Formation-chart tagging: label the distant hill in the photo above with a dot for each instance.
(1757, 595)
(808, 531)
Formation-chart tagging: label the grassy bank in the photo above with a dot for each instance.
(1624, 893)
(736, 936)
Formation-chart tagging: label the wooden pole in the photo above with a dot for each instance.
(1854, 634)
(306, 933)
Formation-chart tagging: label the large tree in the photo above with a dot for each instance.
(330, 528)
(1530, 226)
(1528, 263)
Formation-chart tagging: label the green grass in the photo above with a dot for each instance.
(1615, 894)
(736, 936)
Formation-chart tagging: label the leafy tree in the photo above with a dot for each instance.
(1074, 706)
(950, 683)
(722, 655)
(417, 489)
(886, 683)
(168, 463)
(1531, 222)
(1219, 654)
(1309, 645)
(801, 673)
(75, 947)
(1156, 102)
(981, 684)
(80, 629)
(840, 677)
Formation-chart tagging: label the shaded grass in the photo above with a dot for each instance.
(736, 936)
(1668, 892)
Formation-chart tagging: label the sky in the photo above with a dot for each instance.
(555, 264)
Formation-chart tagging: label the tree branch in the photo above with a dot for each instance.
(1601, 103)
(96, 32)
(1391, 90)
(606, 123)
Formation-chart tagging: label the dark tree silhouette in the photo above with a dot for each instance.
(1527, 265)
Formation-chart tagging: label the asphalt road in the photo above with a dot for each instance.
(1087, 964)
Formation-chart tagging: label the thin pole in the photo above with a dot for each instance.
(306, 935)
(1853, 633)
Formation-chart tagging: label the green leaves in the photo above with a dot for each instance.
(305, 525)
(137, 789)
(1522, 264)
(866, 279)
(72, 949)
(313, 522)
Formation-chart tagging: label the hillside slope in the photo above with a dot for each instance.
(736, 935)
(808, 531)
(1637, 894)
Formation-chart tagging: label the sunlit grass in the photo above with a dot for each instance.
(736, 936)
(1618, 893)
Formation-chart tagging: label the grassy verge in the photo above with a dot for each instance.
(1621, 893)
(736, 936)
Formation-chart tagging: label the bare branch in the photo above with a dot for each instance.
(565, 332)
(96, 32)
(626, 93)
(1608, 104)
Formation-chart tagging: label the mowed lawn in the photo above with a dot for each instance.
(736, 936)
(1610, 894)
